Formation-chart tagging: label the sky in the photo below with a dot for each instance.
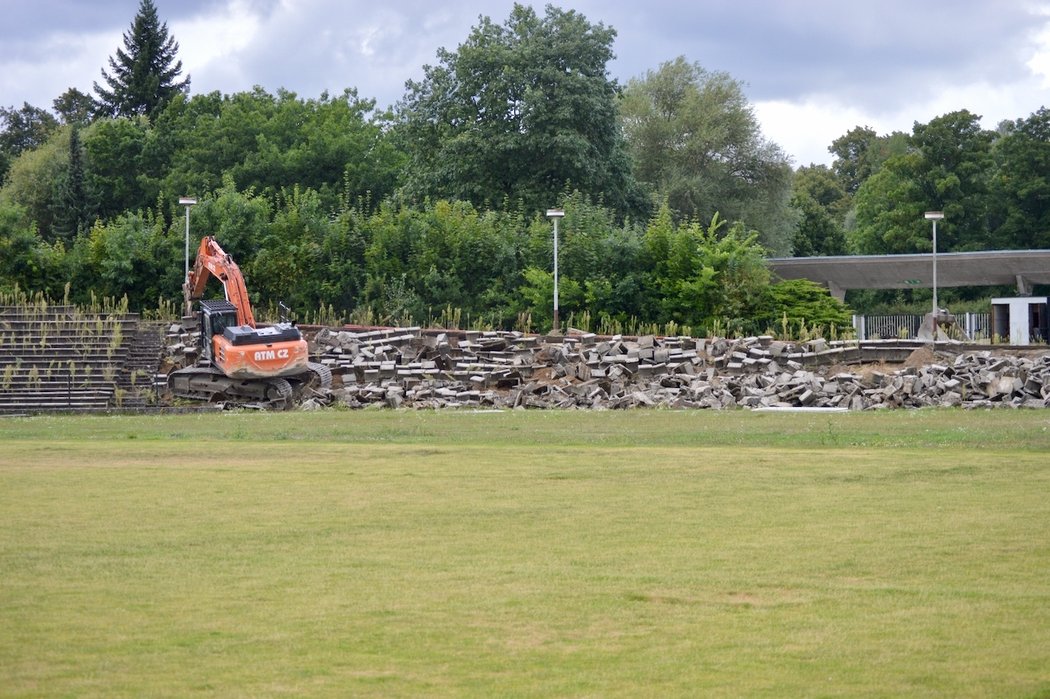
(811, 69)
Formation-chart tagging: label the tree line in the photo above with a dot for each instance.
(672, 195)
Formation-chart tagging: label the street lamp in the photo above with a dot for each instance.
(934, 216)
(555, 214)
(187, 202)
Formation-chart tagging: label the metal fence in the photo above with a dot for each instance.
(976, 326)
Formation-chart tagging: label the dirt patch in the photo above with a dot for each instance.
(920, 357)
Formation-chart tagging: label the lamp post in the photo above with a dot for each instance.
(187, 202)
(555, 214)
(934, 216)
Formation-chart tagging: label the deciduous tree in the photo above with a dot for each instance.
(74, 107)
(795, 303)
(334, 145)
(32, 181)
(134, 254)
(945, 169)
(116, 168)
(516, 114)
(701, 273)
(1020, 184)
(695, 140)
(26, 260)
(22, 129)
(822, 204)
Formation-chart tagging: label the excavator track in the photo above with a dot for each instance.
(320, 376)
(279, 393)
(209, 384)
(239, 362)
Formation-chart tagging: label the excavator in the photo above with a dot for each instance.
(238, 361)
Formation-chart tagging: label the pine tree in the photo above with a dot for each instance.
(145, 71)
(72, 202)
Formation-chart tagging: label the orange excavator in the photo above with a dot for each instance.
(239, 361)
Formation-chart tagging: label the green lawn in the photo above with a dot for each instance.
(642, 553)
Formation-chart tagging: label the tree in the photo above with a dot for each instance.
(74, 107)
(73, 207)
(822, 186)
(860, 153)
(334, 145)
(602, 259)
(1020, 184)
(446, 254)
(944, 170)
(23, 129)
(700, 274)
(32, 179)
(853, 162)
(134, 254)
(817, 233)
(695, 141)
(518, 113)
(956, 153)
(145, 72)
(26, 260)
(239, 220)
(802, 302)
(822, 203)
(890, 206)
(115, 168)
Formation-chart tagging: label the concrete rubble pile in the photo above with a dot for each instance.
(407, 368)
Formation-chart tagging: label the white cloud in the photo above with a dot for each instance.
(813, 72)
(59, 61)
(1039, 63)
(212, 45)
(805, 128)
(217, 35)
(802, 129)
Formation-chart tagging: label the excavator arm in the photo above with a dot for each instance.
(241, 361)
(212, 261)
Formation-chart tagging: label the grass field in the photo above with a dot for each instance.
(642, 553)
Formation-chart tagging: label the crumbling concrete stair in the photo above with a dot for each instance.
(407, 367)
(139, 378)
(59, 359)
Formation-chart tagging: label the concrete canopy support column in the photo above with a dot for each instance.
(1024, 287)
(837, 291)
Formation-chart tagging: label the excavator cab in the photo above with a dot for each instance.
(239, 360)
(242, 351)
(215, 317)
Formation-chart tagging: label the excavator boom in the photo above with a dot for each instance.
(237, 359)
(212, 261)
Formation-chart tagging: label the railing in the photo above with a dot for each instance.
(976, 326)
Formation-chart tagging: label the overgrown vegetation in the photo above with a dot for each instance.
(344, 211)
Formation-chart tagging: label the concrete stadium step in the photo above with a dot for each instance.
(60, 359)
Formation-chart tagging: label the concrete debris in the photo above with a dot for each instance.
(404, 367)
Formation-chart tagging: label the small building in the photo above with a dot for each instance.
(1022, 319)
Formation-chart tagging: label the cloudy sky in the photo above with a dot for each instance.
(812, 69)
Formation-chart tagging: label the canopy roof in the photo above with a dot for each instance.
(1022, 268)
